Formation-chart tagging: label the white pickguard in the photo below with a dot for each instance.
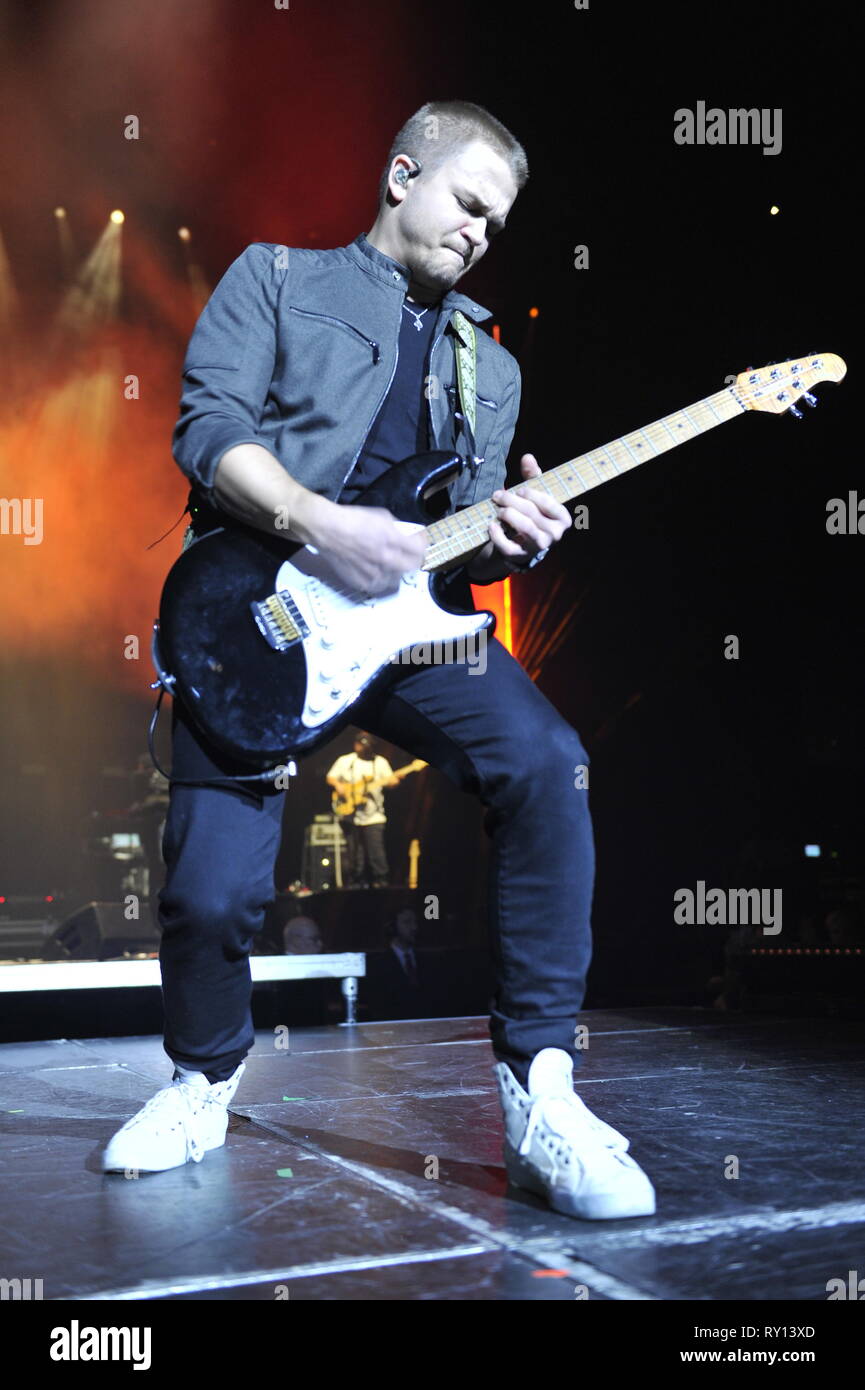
(350, 637)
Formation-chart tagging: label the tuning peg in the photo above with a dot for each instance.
(809, 399)
(797, 414)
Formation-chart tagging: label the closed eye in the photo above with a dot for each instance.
(493, 228)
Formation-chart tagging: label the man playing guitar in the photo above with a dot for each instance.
(310, 373)
(358, 780)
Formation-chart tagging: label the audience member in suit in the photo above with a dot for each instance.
(396, 981)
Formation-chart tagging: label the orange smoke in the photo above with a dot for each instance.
(86, 452)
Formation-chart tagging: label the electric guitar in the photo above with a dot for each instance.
(269, 651)
(348, 797)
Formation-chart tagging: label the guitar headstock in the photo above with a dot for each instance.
(778, 387)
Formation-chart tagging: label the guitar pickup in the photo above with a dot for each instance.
(279, 620)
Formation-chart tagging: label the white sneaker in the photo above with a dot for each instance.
(556, 1148)
(180, 1123)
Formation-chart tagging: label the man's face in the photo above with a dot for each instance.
(302, 937)
(447, 218)
(406, 926)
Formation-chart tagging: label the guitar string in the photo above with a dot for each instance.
(453, 536)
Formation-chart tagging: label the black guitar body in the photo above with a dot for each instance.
(244, 695)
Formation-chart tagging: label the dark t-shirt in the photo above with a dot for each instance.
(401, 427)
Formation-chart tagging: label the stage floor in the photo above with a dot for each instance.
(325, 1188)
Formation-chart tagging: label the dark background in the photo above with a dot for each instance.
(259, 124)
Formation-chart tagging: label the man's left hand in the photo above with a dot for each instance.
(529, 520)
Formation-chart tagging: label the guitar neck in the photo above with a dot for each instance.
(365, 786)
(455, 538)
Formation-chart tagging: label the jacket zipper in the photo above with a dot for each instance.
(453, 392)
(375, 357)
(376, 350)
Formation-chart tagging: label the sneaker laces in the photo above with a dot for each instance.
(568, 1116)
(186, 1104)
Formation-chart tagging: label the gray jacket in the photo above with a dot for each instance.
(296, 350)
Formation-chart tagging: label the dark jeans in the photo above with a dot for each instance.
(366, 846)
(495, 735)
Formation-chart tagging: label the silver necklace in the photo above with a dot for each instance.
(417, 317)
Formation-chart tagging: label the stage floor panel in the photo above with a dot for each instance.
(365, 1163)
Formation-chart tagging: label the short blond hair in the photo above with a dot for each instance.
(439, 129)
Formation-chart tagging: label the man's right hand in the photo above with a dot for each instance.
(368, 548)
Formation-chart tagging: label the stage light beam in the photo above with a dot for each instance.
(94, 297)
(8, 293)
(199, 287)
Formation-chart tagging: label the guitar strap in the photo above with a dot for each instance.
(467, 360)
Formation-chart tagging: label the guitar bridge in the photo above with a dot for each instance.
(279, 620)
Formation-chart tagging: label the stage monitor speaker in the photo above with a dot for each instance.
(101, 931)
(27, 940)
(325, 864)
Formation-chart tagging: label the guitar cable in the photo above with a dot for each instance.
(228, 780)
